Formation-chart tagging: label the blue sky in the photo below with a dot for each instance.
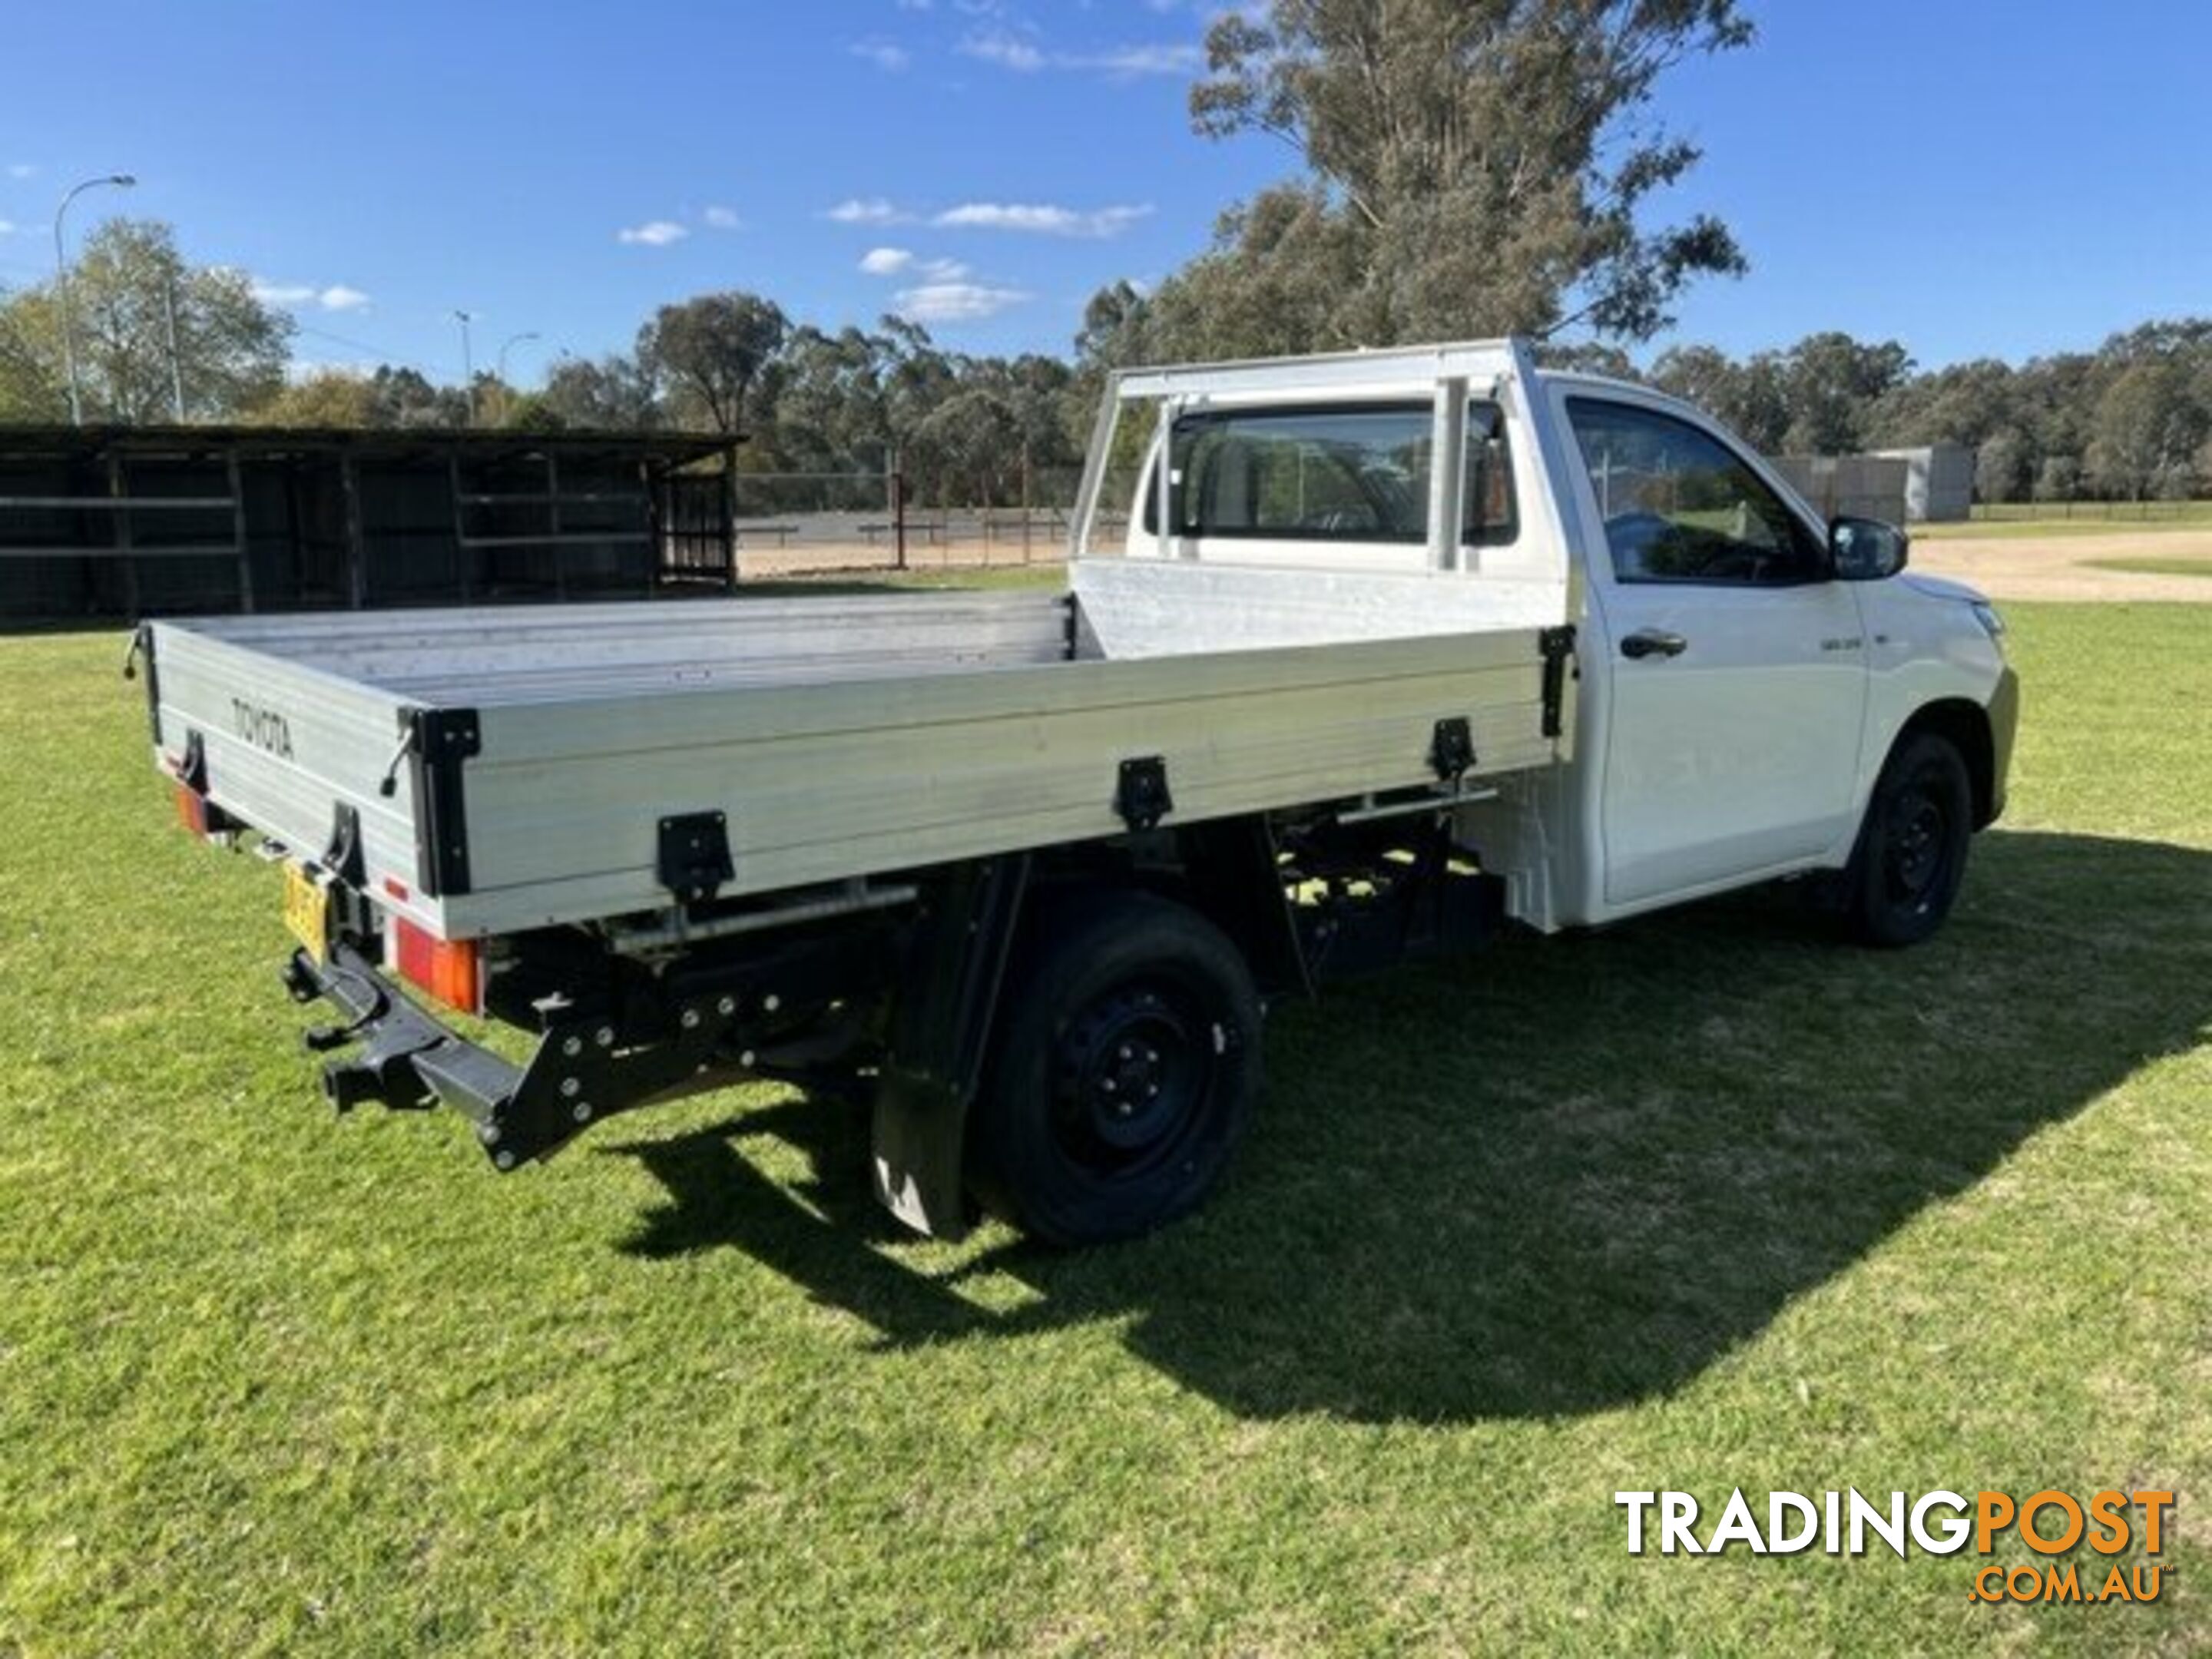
(1968, 176)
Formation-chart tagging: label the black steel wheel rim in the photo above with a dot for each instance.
(1916, 847)
(1132, 1074)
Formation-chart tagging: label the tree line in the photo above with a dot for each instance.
(2129, 421)
(1461, 171)
(152, 333)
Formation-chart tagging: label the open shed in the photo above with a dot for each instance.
(123, 521)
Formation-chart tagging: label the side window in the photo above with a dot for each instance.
(1680, 506)
(1357, 473)
(1489, 519)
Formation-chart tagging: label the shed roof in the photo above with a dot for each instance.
(663, 448)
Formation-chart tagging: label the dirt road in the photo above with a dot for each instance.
(2058, 566)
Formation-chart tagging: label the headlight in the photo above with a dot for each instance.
(1992, 624)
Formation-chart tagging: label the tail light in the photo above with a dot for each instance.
(448, 969)
(194, 809)
(191, 809)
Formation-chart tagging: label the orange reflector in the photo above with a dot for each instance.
(194, 809)
(446, 969)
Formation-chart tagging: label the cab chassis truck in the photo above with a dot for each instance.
(1361, 658)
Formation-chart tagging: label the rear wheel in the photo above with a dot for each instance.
(1912, 853)
(1124, 1075)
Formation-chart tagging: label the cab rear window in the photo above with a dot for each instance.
(1356, 473)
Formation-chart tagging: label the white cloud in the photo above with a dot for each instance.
(21, 170)
(955, 302)
(1175, 59)
(1006, 50)
(913, 5)
(1036, 218)
(337, 296)
(886, 55)
(7, 228)
(897, 261)
(653, 233)
(1040, 219)
(869, 210)
(723, 218)
(1011, 50)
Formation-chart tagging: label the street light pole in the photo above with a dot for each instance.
(176, 362)
(121, 181)
(468, 365)
(511, 340)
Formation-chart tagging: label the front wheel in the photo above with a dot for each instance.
(1911, 853)
(1124, 1075)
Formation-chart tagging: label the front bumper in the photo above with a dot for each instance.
(583, 1070)
(2004, 727)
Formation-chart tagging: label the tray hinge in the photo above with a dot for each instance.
(192, 771)
(444, 738)
(1451, 748)
(343, 856)
(694, 857)
(1558, 644)
(1142, 797)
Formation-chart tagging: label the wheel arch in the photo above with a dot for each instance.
(1965, 725)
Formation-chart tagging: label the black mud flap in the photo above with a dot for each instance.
(581, 1071)
(940, 1033)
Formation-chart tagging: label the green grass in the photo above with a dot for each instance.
(2155, 566)
(2013, 523)
(1702, 1202)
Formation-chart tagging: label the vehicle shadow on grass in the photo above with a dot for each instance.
(1563, 1175)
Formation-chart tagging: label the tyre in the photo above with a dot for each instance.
(1124, 1072)
(1911, 853)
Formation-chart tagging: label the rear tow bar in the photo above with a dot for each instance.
(581, 1071)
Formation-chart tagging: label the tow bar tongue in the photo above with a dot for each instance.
(583, 1071)
(408, 1061)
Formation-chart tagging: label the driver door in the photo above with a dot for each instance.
(1739, 664)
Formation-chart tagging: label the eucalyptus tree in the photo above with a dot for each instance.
(710, 350)
(1469, 168)
(145, 325)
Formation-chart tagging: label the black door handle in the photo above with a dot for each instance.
(1653, 643)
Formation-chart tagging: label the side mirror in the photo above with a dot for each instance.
(1866, 549)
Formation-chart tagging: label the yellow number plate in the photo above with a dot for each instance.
(307, 912)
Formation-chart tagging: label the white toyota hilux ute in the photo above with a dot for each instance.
(1360, 659)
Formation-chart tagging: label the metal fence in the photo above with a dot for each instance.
(796, 524)
(2118, 512)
